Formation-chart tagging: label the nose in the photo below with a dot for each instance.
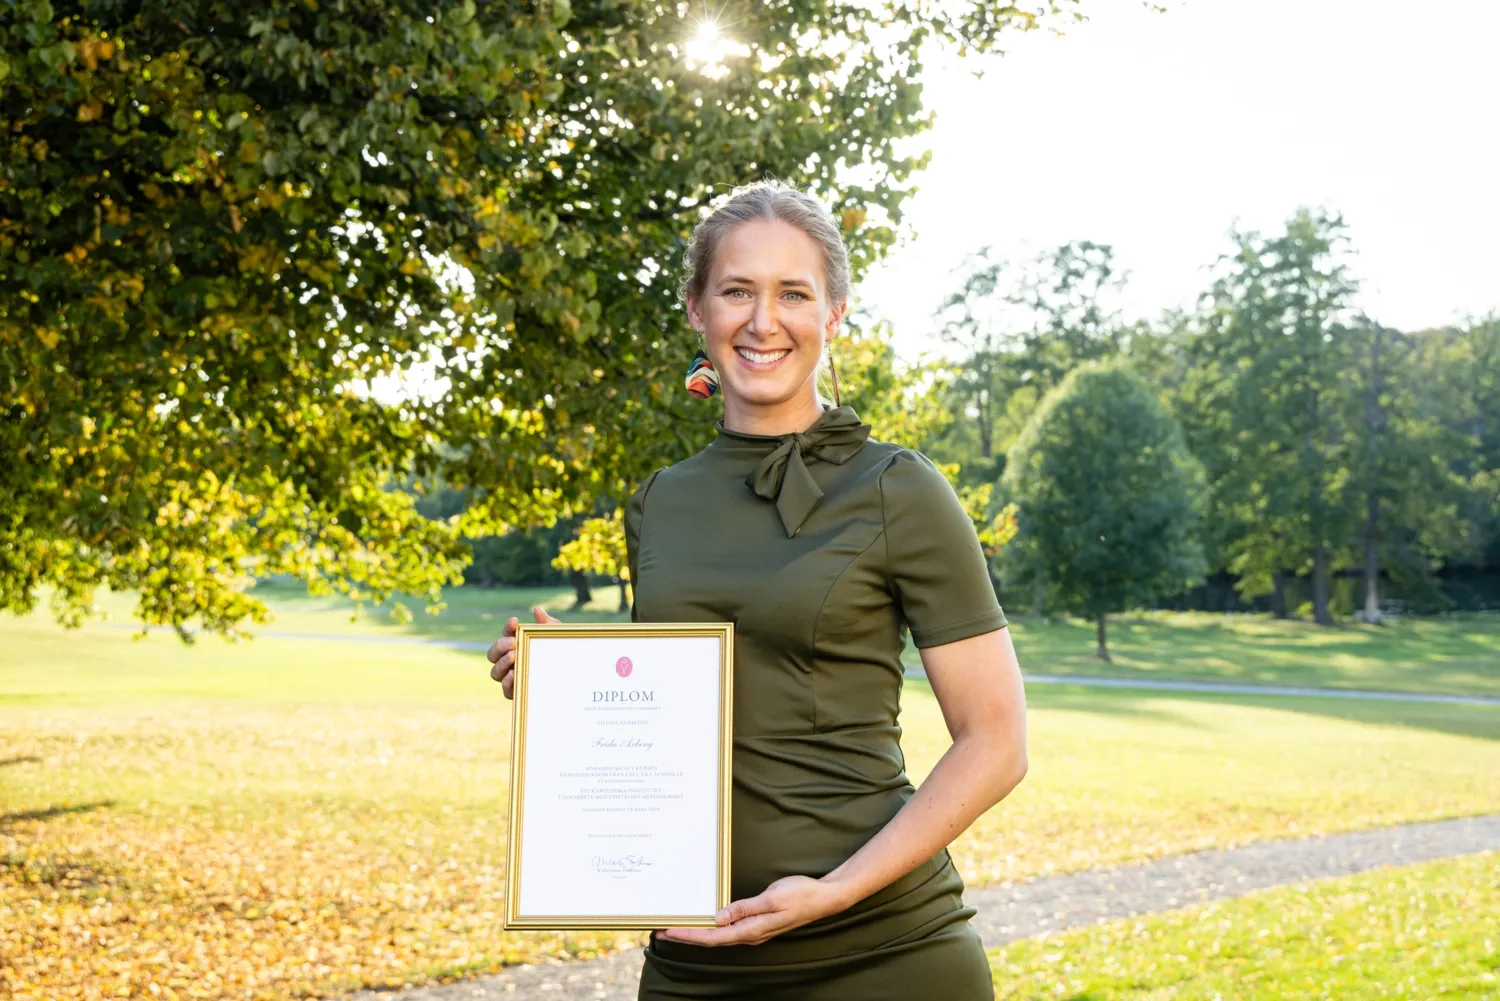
(763, 316)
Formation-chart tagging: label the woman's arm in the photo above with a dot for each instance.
(978, 686)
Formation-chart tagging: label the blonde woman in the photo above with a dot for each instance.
(819, 543)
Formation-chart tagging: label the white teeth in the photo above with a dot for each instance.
(761, 357)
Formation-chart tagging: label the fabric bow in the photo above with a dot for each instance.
(782, 476)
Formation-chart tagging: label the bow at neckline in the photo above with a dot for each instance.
(782, 475)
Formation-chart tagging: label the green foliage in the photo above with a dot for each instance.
(1020, 328)
(1107, 496)
(598, 548)
(1267, 403)
(222, 224)
(902, 402)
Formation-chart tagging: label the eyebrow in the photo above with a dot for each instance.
(748, 281)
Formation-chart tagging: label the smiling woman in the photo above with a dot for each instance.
(819, 544)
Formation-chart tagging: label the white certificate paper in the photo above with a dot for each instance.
(619, 814)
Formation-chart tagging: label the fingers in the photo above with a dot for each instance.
(744, 922)
(751, 931)
(502, 653)
(506, 642)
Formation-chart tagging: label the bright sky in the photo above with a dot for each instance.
(1157, 132)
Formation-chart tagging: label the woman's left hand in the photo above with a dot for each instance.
(788, 903)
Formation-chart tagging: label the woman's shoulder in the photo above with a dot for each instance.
(907, 468)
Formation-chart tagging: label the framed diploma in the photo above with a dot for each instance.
(619, 775)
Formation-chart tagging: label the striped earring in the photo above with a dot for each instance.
(702, 381)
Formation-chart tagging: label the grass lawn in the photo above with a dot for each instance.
(1420, 932)
(1458, 654)
(283, 817)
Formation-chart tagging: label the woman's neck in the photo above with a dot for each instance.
(782, 418)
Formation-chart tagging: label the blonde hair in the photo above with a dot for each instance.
(769, 200)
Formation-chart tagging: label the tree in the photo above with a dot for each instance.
(599, 548)
(255, 260)
(1108, 497)
(1019, 329)
(1269, 406)
(1404, 465)
(902, 402)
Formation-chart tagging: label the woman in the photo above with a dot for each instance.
(818, 543)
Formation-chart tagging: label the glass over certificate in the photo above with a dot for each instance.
(620, 760)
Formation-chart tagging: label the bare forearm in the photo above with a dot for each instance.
(977, 772)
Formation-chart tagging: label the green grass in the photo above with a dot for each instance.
(1458, 655)
(294, 816)
(1421, 932)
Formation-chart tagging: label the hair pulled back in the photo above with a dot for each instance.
(769, 200)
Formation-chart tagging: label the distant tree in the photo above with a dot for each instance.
(1404, 465)
(1018, 329)
(1269, 407)
(1107, 495)
(228, 231)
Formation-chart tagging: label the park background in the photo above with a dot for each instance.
(348, 327)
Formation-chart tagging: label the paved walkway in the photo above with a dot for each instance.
(1085, 681)
(1056, 903)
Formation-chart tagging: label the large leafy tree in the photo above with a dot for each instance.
(1268, 404)
(231, 233)
(1108, 498)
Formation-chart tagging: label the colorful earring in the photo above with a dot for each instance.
(702, 381)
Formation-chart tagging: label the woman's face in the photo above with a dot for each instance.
(764, 313)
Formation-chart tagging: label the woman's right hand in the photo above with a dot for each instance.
(502, 654)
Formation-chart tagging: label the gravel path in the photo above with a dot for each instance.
(1055, 903)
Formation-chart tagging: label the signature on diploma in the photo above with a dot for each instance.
(625, 863)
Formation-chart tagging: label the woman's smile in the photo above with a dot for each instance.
(761, 361)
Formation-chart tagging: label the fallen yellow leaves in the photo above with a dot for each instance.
(286, 887)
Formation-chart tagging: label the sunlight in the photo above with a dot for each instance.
(707, 49)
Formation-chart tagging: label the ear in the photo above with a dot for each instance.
(835, 317)
(695, 315)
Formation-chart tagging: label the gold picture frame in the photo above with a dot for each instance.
(526, 633)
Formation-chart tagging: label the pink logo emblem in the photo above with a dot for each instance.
(623, 667)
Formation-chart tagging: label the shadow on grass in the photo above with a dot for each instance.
(1481, 722)
(20, 759)
(19, 816)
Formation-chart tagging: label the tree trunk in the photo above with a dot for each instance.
(581, 593)
(1103, 651)
(1040, 601)
(1372, 572)
(624, 596)
(1374, 425)
(1278, 594)
(1320, 586)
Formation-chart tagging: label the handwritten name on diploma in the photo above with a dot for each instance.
(636, 742)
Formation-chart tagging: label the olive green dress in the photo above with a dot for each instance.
(818, 546)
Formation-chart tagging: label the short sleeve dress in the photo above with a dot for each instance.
(819, 546)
